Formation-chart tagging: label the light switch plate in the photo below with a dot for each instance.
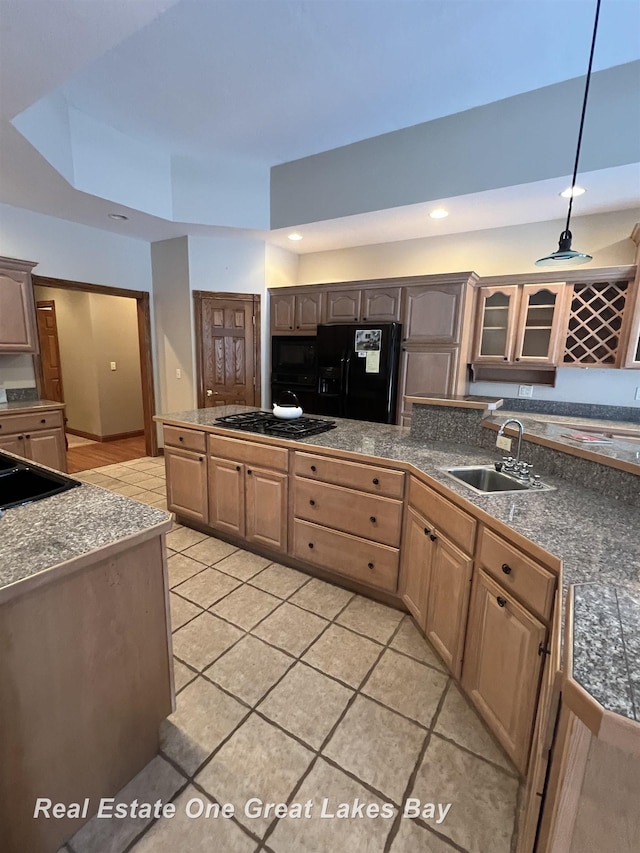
(503, 442)
(113, 365)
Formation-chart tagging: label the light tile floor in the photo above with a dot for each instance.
(292, 689)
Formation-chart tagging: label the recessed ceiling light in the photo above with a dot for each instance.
(576, 192)
(439, 213)
(119, 217)
(295, 236)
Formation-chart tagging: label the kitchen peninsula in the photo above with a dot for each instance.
(484, 575)
(85, 655)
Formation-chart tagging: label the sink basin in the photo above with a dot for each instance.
(485, 479)
(25, 485)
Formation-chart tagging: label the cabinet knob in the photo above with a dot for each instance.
(237, 467)
(311, 545)
(313, 467)
(433, 537)
(372, 519)
(181, 438)
(43, 420)
(365, 319)
(249, 471)
(501, 601)
(371, 565)
(355, 319)
(200, 458)
(427, 531)
(505, 358)
(312, 502)
(518, 358)
(20, 438)
(27, 436)
(291, 327)
(506, 568)
(376, 481)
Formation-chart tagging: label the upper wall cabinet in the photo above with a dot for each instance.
(17, 311)
(296, 313)
(595, 329)
(519, 323)
(433, 314)
(343, 306)
(364, 305)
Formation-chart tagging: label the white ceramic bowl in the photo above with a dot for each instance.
(286, 413)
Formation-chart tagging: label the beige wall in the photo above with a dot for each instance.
(499, 251)
(94, 330)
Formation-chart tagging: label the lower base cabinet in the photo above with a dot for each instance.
(187, 483)
(417, 549)
(504, 655)
(44, 447)
(226, 496)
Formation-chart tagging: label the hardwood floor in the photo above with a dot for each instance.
(104, 453)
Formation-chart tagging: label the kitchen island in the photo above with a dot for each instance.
(484, 575)
(85, 655)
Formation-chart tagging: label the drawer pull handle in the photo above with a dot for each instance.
(433, 537)
(506, 568)
(376, 481)
(312, 502)
(311, 545)
(313, 468)
(501, 601)
(237, 467)
(181, 438)
(371, 565)
(43, 420)
(372, 519)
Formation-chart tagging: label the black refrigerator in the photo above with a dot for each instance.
(358, 370)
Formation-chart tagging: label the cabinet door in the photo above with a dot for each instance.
(539, 325)
(428, 371)
(448, 602)
(187, 483)
(632, 321)
(496, 323)
(266, 507)
(343, 306)
(226, 495)
(433, 314)
(380, 306)
(283, 312)
(502, 666)
(46, 447)
(308, 311)
(415, 566)
(17, 313)
(14, 444)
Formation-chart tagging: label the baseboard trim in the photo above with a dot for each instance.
(114, 437)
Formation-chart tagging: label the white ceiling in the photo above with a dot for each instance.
(268, 81)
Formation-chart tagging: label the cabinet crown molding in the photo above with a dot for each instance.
(17, 264)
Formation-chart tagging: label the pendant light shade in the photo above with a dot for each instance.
(565, 256)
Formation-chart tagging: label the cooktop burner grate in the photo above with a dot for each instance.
(268, 424)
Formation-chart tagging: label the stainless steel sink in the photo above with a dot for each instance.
(485, 479)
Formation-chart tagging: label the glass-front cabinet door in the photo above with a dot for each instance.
(540, 318)
(496, 323)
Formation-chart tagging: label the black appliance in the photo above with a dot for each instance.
(294, 368)
(23, 483)
(267, 424)
(358, 370)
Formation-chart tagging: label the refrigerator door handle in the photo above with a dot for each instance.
(347, 368)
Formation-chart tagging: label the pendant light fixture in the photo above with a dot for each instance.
(565, 255)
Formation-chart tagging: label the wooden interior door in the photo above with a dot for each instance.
(49, 350)
(228, 348)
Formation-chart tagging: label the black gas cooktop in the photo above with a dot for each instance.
(269, 424)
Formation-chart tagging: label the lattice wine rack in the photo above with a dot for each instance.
(595, 321)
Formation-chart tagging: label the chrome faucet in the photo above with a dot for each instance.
(520, 431)
(521, 470)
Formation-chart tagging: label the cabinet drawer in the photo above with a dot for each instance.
(33, 421)
(354, 475)
(517, 573)
(261, 455)
(190, 439)
(445, 516)
(353, 512)
(364, 561)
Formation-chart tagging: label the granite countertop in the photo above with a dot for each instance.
(39, 536)
(28, 405)
(470, 401)
(553, 428)
(606, 646)
(595, 537)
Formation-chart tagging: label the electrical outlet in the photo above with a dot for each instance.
(503, 442)
(525, 391)
(637, 393)
(113, 365)
(178, 373)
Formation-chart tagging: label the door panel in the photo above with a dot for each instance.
(381, 305)
(308, 311)
(226, 495)
(266, 507)
(227, 357)
(46, 447)
(186, 483)
(17, 332)
(417, 552)
(14, 444)
(283, 312)
(496, 320)
(433, 315)
(49, 350)
(343, 306)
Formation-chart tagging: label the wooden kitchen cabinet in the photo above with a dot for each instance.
(187, 483)
(13, 444)
(432, 370)
(296, 313)
(343, 306)
(35, 435)
(227, 496)
(520, 323)
(381, 305)
(46, 447)
(504, 656)
(415, 565)
(433, 314)
(266, 508)
(17, 310)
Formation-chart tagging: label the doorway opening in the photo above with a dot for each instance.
(95, 356)
(227, 334)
